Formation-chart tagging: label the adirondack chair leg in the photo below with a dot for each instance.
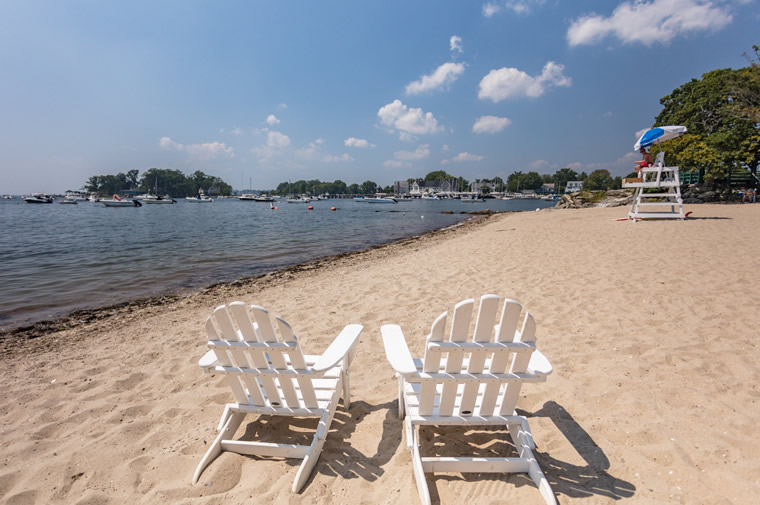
(224, 418)
(312, 456)
(401, 404)
(409, 430)
(346, 389)
(419, 472)
(230, 427)
(523, 439)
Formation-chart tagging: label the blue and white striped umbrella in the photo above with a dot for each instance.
(659, 134)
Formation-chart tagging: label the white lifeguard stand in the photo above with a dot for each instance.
(656, 176)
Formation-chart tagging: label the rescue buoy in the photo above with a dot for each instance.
(333, 208)
(310, 207)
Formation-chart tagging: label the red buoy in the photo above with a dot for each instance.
(311, 207)
(332, 208)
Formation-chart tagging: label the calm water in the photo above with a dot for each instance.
(55, 259)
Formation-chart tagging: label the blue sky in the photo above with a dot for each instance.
(270, 91)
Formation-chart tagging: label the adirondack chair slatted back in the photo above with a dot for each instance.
(458, 376)
(262, 369)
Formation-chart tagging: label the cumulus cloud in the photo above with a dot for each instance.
(442, 76)
(490, 124)
(206, 151)
(490, 9)
(411, 121)
(464, 157)
(397, 164)
(354, 142)
(455, 44)
(272, 120)
(236, 131)
(313, 152)
(505, 83)
(276, 143)
(422, 152)
(650, 22)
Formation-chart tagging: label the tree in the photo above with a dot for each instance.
(368, 187)
(720, 111)
(438, 175)
(561, 177)
(598, 180)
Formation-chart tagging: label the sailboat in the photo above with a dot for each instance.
(153, 199)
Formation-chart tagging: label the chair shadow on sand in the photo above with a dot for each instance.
(488, 442)
(338, 457)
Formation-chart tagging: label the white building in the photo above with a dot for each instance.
(573, 186)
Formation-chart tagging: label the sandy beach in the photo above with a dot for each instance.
(651, 328)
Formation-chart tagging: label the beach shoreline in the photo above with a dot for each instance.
(649, 327)
(12, 339)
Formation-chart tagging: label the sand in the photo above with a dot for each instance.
(651, 328)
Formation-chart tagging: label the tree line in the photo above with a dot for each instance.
(159, 180)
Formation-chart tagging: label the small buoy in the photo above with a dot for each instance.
(311, 207)
(422, 217)
(333, 208)
(273, 207)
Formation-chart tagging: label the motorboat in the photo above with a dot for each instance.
(77, 196)
(68, 201)
(38, 198)
(201, 198)
(93, 198)
(116, 201)
(159, 200)
(431, 197)
(381, 199)
(301, 199)
(247, 197)
(472, 198)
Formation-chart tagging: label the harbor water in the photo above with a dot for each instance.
(55, 259)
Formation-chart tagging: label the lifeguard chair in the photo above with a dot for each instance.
(656, 176)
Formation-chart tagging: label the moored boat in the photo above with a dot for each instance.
(159, 200)
(116, 201)
(201, 198)
(38, 198)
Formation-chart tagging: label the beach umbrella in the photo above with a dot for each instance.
(657, 135)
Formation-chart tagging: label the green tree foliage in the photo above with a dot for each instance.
(368, 187)
(518, 181)
(721, 113)
(170, 182)
(561, 177)
(598, 180)
(438, 175)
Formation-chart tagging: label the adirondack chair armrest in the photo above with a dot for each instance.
(539, 364)
(396, 349)
(339, 348)
(208, 361)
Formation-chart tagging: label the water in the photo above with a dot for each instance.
(55, 259)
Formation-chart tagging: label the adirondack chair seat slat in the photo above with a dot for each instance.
(269, 375)
(470, 382)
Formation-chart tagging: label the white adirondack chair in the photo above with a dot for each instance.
(470, 383)
(271, 376)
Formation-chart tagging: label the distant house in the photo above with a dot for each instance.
(573, 186)
(422, 187)
(478, 187)
(547, 188)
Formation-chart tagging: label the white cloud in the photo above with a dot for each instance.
(490, 124)
(313, 152)
(464, 157)
(408, 120)
(236, 131)
(455, 44)
(650, 22)
(276, 143)
(441, 77)
(406, 137)
(422, 152)
(538, 165)
(506, 83)
(277, 139)
(272, 120)
(206, 151)
(490, 9)
(445, 148)
(523, 6)
(354, 142)
(397, 164)
(282, 106)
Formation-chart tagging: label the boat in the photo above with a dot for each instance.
(159, 200)
(69, 201)
(93, 198)
(38, 198)
(8, 197)
(116, 201)
(247, 197)
(301, 199)
(431, 197)
(380, 199)
(360, 199)
(471, 198)
(77, 196)
(201, 198)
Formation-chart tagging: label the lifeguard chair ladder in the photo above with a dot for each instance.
(656, 176)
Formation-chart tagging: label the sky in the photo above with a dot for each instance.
(261, 92)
